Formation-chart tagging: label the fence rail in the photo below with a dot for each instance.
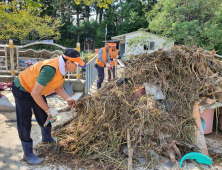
(91, 74)
(18, 63)
(14, 63)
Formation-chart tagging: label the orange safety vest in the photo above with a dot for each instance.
(29, 76)
(113, 56)
(104, 57)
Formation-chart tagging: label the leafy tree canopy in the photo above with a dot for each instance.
(101, 3)
(18, 23)
(196, 22)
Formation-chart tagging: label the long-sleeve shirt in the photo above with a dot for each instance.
(100, 53)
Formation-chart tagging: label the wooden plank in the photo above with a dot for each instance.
(25, 58)
(216, 55)
(17, 58)
(130, 151)
(8, 71)
(199, 134)
(6, 60)
(41, 43)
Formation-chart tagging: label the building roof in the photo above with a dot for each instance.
(123, 36)
(89, 38)
(110, 41)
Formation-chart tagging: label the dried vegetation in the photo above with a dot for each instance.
(115, 117)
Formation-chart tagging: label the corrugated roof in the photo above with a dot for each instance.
(124, 34)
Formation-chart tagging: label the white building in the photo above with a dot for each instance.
(143, 42)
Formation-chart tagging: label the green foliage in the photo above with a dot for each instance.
(196, 22)
(130, 16)
(69, 33)
(120, 16)
(101, 3)
(139, 41)
(18, 24)
(89, 56)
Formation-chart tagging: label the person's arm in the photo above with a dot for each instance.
(109, 56)
(36, 95)
(108, 61)
(61, 92)
(45, 76)
(100, 54)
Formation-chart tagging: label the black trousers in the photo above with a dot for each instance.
(100, 71)
(24, 105)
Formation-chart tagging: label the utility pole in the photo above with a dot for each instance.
(105, 34)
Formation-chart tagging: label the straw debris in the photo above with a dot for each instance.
(98, 136)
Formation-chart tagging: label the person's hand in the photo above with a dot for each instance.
(114, 60)
(71, 102)
(117, 57)
(52, 112)
(109, 66)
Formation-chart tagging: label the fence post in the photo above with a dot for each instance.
(6, 59)
(11, 46)
(78, 69)
(87, 79)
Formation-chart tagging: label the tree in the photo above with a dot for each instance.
(129, 16)
(98, 10)
(196, 22)
(18, 24)
(101, 3)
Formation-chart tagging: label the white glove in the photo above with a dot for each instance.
(52, 112)
(117, 56)
(108, 65)
(114, 60)
(71, 101)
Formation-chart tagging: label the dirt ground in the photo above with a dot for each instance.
(11, 151)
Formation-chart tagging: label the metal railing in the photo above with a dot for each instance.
(3, 59)
(18, 51)
(14, 63)
(91, 74)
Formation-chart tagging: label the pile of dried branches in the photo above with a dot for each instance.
(98, 136)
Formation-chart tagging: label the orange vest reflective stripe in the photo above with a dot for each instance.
(113, 56)
(104, 57)
(29, 76)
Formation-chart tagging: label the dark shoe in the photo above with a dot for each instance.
(29, 155)
(46, 135)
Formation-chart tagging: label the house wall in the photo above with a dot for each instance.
(121, 47)
(160, 42)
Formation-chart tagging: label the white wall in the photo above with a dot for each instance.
(159, 43)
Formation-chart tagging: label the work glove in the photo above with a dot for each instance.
(52, 112)
(109, 66)
(71, 102)
(118, 57)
